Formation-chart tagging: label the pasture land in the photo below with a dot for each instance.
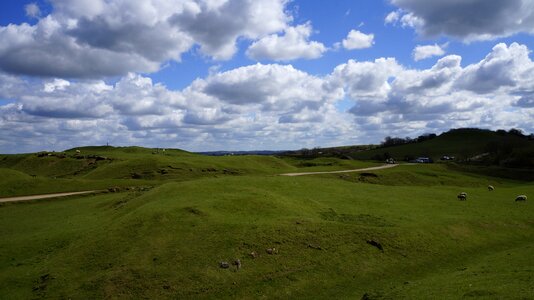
(166, 239)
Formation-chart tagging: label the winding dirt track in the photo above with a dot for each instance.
(44, 196)
(343, 171)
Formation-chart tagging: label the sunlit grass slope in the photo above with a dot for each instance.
(103, 167)
(168, 242)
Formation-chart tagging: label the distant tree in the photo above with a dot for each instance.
(516, 132)
(393, 141)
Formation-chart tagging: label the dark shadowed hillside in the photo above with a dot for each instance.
(467, 145)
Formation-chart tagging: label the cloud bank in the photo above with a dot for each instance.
(97, 38)
(272, 106)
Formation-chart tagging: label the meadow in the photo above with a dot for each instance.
(397, 233)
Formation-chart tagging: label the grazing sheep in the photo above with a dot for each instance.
(462, 196)
(490, 188)
(521, 198)
(271, 251)
(237, 263)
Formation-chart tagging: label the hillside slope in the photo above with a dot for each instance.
(461, 143)
(87, 168)
(168, 242)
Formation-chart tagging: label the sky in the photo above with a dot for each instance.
(205, 75)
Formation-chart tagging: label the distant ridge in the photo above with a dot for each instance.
(509, 148)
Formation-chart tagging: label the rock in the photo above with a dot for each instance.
(224, 265)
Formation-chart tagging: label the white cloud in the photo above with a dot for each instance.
(427, 51)
(294, 44)
(83, 38)
(466, 20)
(358, 40)
(274, 87)
(393, 17)
(56, 84)
(366, 79)
(505, 67)
(32, 10)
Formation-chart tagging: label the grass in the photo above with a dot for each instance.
(168, 242)
(104, 167)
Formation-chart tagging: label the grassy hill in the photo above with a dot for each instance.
(88, 168)
(397, 233)
(168, 242)
(461, 143)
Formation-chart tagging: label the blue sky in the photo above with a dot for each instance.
(273, 74)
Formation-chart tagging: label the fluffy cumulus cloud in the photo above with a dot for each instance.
(364, 80)
(466, 20)
(448, 95)
(504, 68)
(293, 44)
(248, 107)
(358, 40)
(272, 106)
(82, 38)
(427, 51)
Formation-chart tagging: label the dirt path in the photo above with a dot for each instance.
(44, 196)
(343, 171)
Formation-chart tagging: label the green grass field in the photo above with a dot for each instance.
(168, 241)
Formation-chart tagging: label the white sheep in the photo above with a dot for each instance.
(462, 196)
(490, 188)
(521, 198)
